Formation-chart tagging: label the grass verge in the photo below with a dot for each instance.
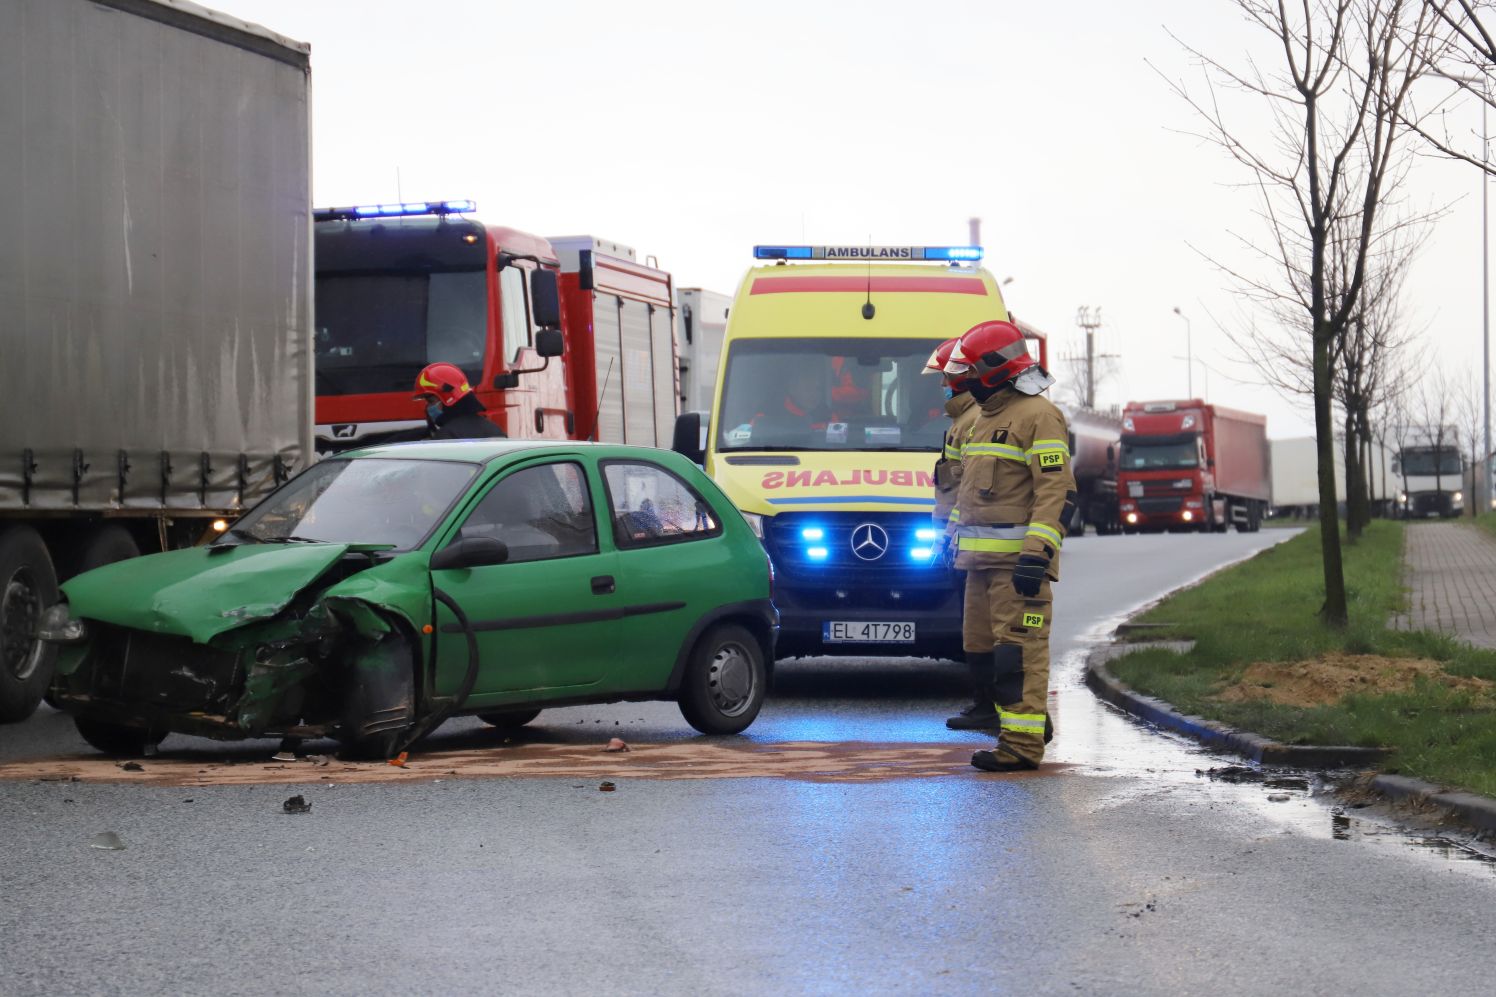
(1487, 522)
(1265, 609)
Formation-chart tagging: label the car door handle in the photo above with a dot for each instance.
(603, 585)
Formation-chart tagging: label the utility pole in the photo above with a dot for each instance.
(1089, 319)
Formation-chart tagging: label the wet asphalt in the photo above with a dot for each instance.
(1122, 872)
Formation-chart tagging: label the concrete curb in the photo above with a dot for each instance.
(1252, 746)
(1471, 808)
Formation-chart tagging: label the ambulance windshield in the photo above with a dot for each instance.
(830, 394)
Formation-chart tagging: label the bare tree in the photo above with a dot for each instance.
(1368, 351)
(1468, 411)
(1469, 63)
(1321, 179)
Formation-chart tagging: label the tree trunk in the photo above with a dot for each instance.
(1353, 483)
(1334, 610)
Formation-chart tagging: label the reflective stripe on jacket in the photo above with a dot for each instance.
(1015, 479)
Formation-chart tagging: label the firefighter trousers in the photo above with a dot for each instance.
(1015, 629)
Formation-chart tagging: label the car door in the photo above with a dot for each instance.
(542, 618)
(672, 564)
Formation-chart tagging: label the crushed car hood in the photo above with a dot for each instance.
(202, 591)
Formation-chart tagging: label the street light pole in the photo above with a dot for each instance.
(1189, 363)
(1484, 488)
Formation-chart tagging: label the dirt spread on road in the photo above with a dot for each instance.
(805, 761)
(1329, 679)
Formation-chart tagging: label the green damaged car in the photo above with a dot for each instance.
(383, 591)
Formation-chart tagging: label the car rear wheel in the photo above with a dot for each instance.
(117, 739)
(509, 719)
(28, 585)
(725, 681)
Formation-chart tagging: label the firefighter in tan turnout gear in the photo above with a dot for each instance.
(1017, 490)
(962, 410)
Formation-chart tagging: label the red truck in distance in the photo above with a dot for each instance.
(568, 339)
(1190, 465)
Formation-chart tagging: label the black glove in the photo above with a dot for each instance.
(1029, 574)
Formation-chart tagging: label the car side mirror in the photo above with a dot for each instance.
(689, 439)
(545, 303)
(472, 552)
(549, 343)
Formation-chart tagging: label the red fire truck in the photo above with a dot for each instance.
(561, 339)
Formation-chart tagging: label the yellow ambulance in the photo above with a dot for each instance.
(824, 432)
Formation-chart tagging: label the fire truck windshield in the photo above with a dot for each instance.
(1161, 455)
(830, 394)
(375, 331)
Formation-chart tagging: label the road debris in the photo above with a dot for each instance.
(399, 760)
(132, 767)
(1278, 797)
(617, 744)
(1231, 773)
(606, 787)
(107, 841)
(283, 756)
(296, 805)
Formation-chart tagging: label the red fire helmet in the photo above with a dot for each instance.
(995, 354)
(443, 381)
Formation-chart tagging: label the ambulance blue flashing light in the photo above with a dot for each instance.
(813, 533)
(927, 534)
(404, 209)
(945, 254)
(920, 553)
(817, 553)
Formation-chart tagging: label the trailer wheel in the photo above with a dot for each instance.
(28, 585)
(105, 546)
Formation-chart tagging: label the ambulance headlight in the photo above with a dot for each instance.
(755, 523)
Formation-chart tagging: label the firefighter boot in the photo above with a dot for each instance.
(982, 713)
(1021, 733)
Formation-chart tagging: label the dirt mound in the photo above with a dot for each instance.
(1329, 679)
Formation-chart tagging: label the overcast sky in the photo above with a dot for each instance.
(692, 131)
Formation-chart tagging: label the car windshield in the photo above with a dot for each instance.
(369, 500)
(1428, 462)
(830, 394)
(1150, 456)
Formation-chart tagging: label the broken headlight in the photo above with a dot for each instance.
(58, 626)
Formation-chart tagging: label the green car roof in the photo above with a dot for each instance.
(478, 451)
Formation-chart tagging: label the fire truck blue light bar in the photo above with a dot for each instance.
(947, 254)
(405, 209)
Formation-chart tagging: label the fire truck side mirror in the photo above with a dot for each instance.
(689, 439)
(508, 379)
(545, 303)
(549, 343)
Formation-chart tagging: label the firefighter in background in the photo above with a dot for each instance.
(453, 412)
(1017, 491)
(962, 410)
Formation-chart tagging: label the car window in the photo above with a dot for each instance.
(539, 513)
(650, 505)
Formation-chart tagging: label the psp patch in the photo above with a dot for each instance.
(1034, 620)
(1052, 459)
